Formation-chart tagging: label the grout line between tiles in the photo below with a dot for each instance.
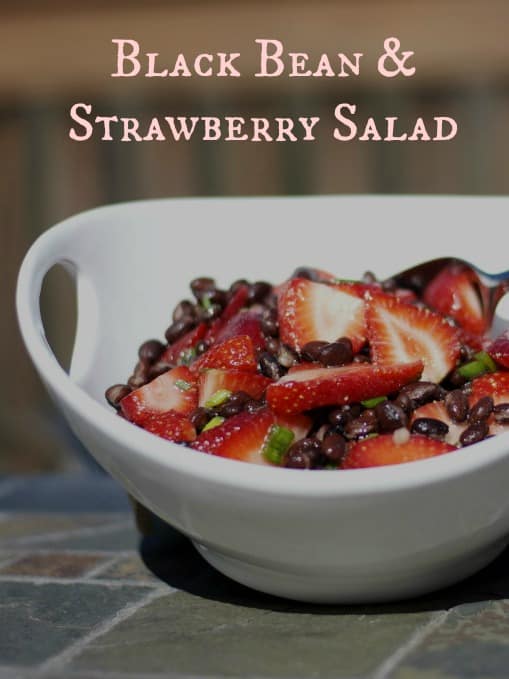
(389, 664)
(66, 656)
(101, 567)
(71, 533)
(46, 580)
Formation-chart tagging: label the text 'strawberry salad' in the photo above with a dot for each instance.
(323, 373)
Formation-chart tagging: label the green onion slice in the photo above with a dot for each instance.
(278, 441)
(214, 422)
(187, 356)
(372, 402)
(218, 398)
(485, 358)
(472, 369)
(183, 385)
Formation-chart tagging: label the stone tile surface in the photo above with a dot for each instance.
(128, 568)
(472, 643)
(119, 538)
(55, 564)
(191, 635)
(21, 526)
(39, 621)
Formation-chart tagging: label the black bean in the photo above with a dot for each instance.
(311, 350)
(389, 285)
(200, 416)
(184, 308)
(466, 353)
(369, 277)
(201, 285)
(305, 272)
(270, 325)
(303, 454)
(361, 426)
(390, 416)
(258, 291)
(271, 301)
(456, 379)
(474, 433)
(179, 328)
(150, 351)
(235, 404)
(287, 356)
(340, 416)
(158, 369)
(501, 413)
(215, 296)
(139, 376)
(456, 404)
(201, 347)
(252, 406)
(269, 366)
(429, 426)
(420, 393)
(336, 353)
(211, 311)
(116, 393)
(272, 345)
(333, 448)
(404, 402)
(360, 358)
(481, 410)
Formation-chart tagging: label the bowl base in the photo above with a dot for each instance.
(342, 588)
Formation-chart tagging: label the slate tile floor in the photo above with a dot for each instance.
(82, 597)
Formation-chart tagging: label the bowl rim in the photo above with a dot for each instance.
(214, 469)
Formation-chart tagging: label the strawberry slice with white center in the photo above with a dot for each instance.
(232, 380)
(172, 426)
(174, 390)
(453, 292)
(310, 311)
(317, 387)
(438, 411)
(240, 437)
(385, 450)
(399, 332)
(236, 353)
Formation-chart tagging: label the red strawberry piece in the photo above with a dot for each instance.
(243, 323)
(495, 385)
(174, 390)
(311, 311)
(453, 292)
(383, 450)
(172, 426)
(298, 423)
(238, 300)
(212, 380)
(236, 353)
(240, 437)
(438, 411)
(307, 389)
(399, 333)
(498, 349)
(173, 354)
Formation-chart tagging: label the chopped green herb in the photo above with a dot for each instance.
(373, 435)
(214, 422)
(277, 443)
(485, 358)
(372, 402)
(218, 398)
(205, 302)
(183, 385)
(345, 280)
(472, 369)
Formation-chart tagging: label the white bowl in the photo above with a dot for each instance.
(348, 536)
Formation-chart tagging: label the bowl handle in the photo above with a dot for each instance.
(56, 246)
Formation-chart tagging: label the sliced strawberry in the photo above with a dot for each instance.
(238, 300)
(498, 349)
(212, 380)
(438, 411)
(243, 323)
(172, 426)
(399, 332)
(495, 385)
(236, 353)
(311, 311)
(453, 292)
(298, 423)
(240, 437)
(174, 390)
(383, 450)
(173, 354)
(307, 389)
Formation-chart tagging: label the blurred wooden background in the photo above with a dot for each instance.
(56, 52)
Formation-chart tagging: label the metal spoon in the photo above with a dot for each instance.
(489, 287)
